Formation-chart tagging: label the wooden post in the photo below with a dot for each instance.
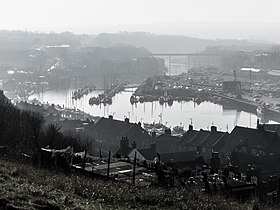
(278, 191)
(84, 160)
(108, 169)
(134, 168)
(71, 158)
(158, 155)
(100, 153)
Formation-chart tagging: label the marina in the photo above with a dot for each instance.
(201, 115)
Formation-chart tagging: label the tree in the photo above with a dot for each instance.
(35, 122)
(52, 134)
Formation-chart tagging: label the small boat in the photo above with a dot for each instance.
(141, 99)
(159, 127)
(107, 100)
(179, 129)
(161, 100)
(133, 99)
(169, 101)
(94, 100)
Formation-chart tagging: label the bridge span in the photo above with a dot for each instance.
(186, 54)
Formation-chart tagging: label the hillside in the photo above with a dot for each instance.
(25, 187)
(168, 43)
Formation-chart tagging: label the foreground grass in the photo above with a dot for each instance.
(26, 187)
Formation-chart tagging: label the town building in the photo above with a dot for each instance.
(167, 143)
(202, 141)
(124, 149)
(108, 132)
(146, 154)
(258, 142)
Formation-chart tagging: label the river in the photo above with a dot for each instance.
(180, 113)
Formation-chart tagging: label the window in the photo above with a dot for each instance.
(243, 177)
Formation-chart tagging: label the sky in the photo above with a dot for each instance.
(101, 15)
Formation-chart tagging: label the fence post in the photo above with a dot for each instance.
(108, 169)
(71, 157)
(100, 153)
(84, 160)
(278, 191)
(134, 168)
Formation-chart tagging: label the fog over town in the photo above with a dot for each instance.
(139, 104)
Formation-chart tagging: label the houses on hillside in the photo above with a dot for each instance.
(179, 160)
(242, 147)
(202, 141)
(257, 142)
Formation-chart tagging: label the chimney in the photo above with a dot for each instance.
(139, 123)
(167, 131)
(124, 142)
(110, 117)
(126, 120)
(154, 134)
(260, 126)
(213, 128)
(153, 147)
(215, 155)
(190, 127)
(133, 145)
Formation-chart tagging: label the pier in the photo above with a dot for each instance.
(251, 107)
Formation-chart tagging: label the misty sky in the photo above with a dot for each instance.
(63, 15)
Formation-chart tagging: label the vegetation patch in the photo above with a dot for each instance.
(26, 187)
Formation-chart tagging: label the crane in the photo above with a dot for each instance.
(236, 85)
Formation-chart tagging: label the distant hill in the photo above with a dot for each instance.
(167, 43)
(21, 40)
(93, 56)
(118, 52)
(155, 43)
(119, 60)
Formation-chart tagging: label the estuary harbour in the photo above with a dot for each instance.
(183, 113)
(140, 105)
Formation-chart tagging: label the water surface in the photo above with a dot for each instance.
(201, 116)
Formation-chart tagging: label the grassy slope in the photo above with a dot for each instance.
(25, 187)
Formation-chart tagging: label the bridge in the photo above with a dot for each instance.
(186, 54)
(199, 59)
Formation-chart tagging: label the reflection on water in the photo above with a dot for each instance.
(202, 116)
